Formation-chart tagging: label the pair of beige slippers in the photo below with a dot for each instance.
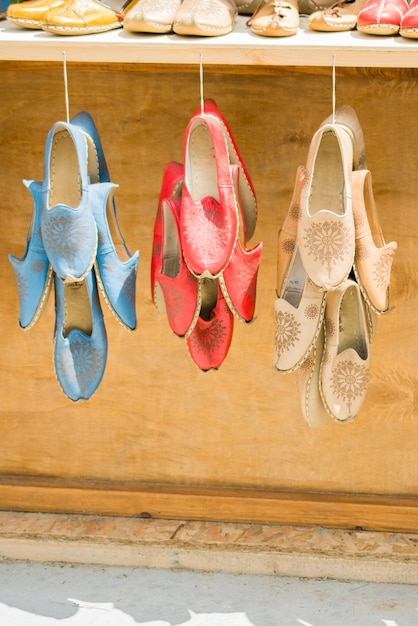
(202, 18)
(333, 274)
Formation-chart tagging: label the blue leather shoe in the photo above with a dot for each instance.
(32, 271)
(116, 268)
(68, 227)
(80, 342)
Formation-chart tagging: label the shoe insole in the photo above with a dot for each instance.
(295, 282)
(171, 248)
(77, 313)
(327, 189)
(202, 165)
(351, 329)
(209, 295)
(65, 174)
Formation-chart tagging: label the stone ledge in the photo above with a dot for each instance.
(211, 546)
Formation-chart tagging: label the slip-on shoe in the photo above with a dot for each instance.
(69, 231)
(80, 341)
(209, 206)
(326, 228)
(345, 365)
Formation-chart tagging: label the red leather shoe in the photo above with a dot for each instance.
(239, 279)
(175, 290)
(210, 340)
(209, 206)
(409, 23)
(381, 17)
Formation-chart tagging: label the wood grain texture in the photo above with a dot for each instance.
(156, 418)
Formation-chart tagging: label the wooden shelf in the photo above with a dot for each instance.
(241, 47)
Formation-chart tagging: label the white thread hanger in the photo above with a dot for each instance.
(334, 97)
(67, 100)
(202, 100)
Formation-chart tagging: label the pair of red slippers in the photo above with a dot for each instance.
(202, 273)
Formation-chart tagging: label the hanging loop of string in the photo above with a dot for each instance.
(67, 101)
(202, 100)
(334, 96)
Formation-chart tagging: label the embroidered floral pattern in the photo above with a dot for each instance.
(288, 246)
(328, 242)
(349, 381)
(209, 338)
(311, 311)
(287, 331)
(80, 364)
(65, 236)
(382, 269)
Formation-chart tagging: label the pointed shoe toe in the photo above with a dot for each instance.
(33, 272)
(373, 258)
(80, 342)
(312, 407)
(211, 337)
(116, 268)
(68, 227)
(326, 230)
(298, 317)
(209, 209)
(345, 365)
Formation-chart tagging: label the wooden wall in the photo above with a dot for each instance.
(156, 418)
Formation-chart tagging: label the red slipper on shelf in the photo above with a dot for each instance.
(381, 17)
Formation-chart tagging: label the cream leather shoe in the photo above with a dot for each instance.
(374, 258)
(326, 229)
(205, 18)
(275, 18)
(345, 365)
(151, 16)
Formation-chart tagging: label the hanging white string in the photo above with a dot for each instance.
(202, 101)
(67, 101)
(334, 96)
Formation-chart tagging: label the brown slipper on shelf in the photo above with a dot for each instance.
(339, 17)
(275, 18)
(30, 14)
(85, 17)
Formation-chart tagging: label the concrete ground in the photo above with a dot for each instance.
(52, 594)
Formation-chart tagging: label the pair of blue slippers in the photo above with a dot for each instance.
(74, 242)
